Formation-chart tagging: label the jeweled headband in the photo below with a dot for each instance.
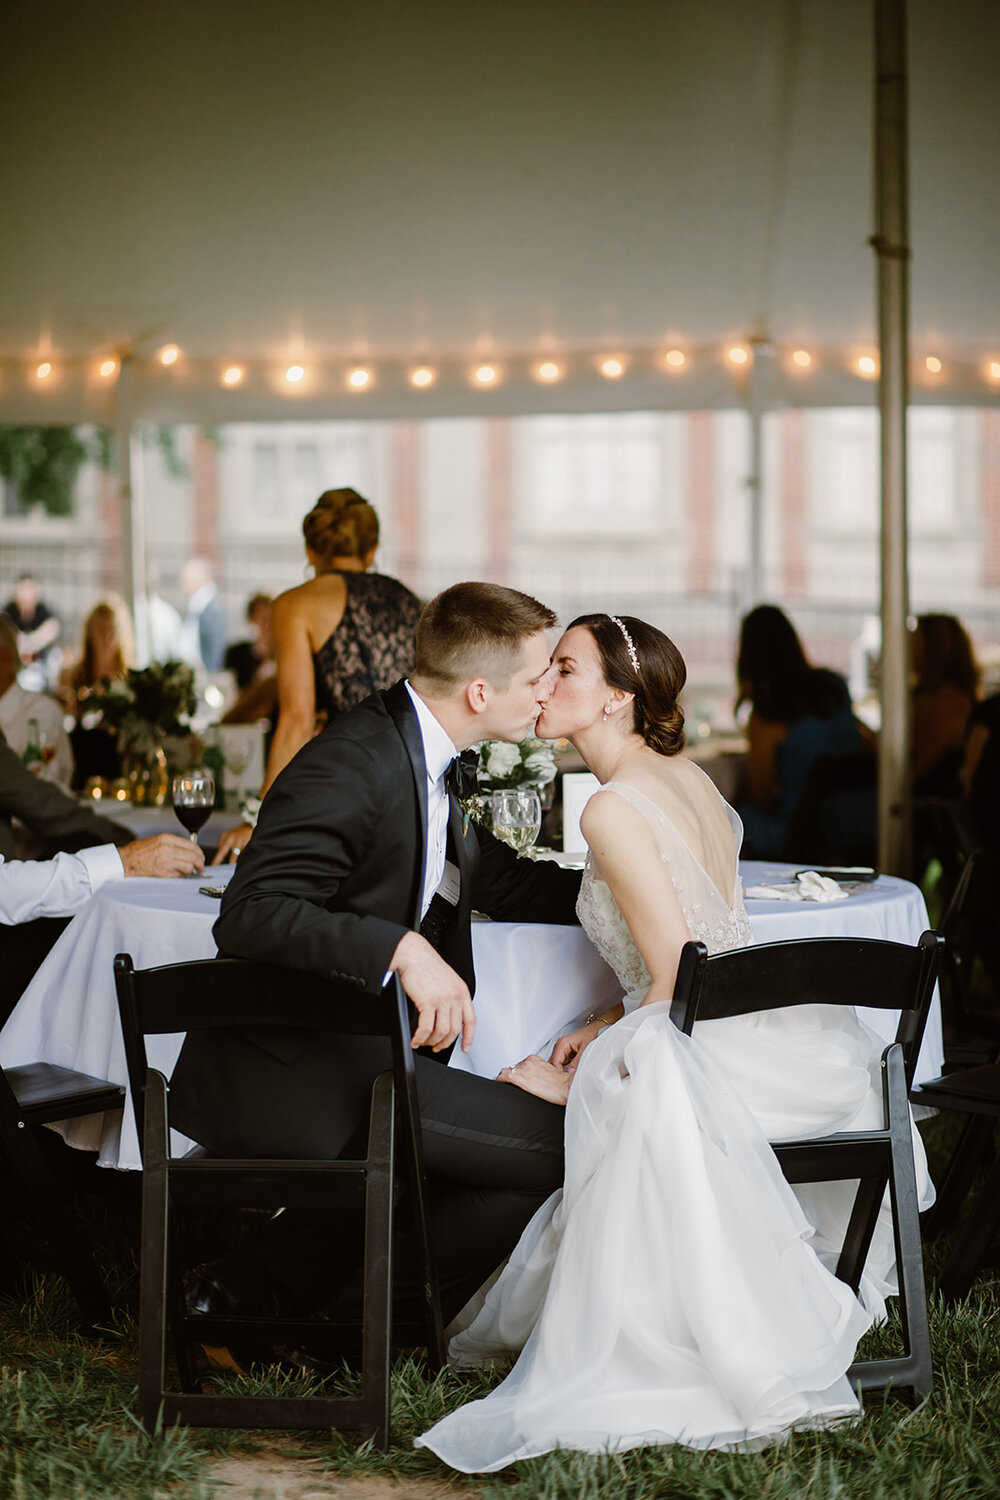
(633, 655)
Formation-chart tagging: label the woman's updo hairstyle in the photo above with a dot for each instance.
(341, 524)
(656, 711)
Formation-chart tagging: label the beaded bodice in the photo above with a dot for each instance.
(711, 918)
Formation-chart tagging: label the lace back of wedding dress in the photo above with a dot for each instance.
(714, 918)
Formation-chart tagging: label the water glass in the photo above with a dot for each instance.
(517, 816)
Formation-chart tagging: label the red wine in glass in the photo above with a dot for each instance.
(193, 798)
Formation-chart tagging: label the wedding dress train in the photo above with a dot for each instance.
(676, 1290)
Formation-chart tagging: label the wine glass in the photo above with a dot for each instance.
(193, 797)
(517, 816)
(236, 755)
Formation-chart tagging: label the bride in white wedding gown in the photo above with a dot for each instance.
(677, 1290)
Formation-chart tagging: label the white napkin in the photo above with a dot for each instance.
(807, 886)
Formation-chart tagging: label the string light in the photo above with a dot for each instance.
(548, 370)
(359, 378)
(232, 376)
(169, 354)
(933, 364)
(866, 365)
(737, 355)
(676, 358)
(108, 368)
(486, 374)
(612, 369)
(44, 370)
(802, 358)
(421, 377)
(994, 369)
(294, 374)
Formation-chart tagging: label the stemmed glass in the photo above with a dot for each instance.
(517, 816)
(193, 798)
(236, 755)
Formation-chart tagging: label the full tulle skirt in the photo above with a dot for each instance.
(676, 1290)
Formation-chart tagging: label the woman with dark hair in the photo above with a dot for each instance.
(345, 633)
(798, 712)
(673, 1291)
(944, 676)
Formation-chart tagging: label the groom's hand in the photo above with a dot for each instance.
(442, 999)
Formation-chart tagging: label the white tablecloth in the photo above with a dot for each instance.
(533, 981)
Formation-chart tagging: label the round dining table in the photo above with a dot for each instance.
(534, 981)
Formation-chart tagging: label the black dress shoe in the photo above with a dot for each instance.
(232, 1289)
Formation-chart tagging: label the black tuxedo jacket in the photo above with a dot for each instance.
(330, 883)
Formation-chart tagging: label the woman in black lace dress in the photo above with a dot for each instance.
(345, 633)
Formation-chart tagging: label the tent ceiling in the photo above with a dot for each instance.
(327, 181)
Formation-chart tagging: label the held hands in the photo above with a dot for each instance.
(441, 997)
(569, 1049)
(232, 844)
(164, 854)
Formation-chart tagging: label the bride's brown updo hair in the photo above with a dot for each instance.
(656, 711)
(341, 524)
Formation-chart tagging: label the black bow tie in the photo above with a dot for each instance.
(460, 776)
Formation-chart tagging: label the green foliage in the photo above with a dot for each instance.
(43, 463)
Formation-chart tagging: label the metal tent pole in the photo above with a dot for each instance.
(131, 514)
(891, 244)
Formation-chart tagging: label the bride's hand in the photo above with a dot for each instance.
(536, 1076)
(569, 1049)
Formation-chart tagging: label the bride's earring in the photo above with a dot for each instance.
(606, 714)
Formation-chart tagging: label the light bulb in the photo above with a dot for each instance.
(359, 378)
(676, 358)
(294, 374)
(169, 354)
(232, 376)
(548, 370)
(486, 374)
(108, 368)
(933, 364)
(994, 369)
(802, 358)
(738, 355)
(867, 365)
(421, 376)
(44, 370)
(611, 369)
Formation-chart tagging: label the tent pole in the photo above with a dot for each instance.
(891, 245)
(132, 533)
(759, 396)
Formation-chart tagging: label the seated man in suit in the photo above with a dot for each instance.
(38, 896)
(362, 864)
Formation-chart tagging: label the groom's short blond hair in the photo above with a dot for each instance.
(476, 630)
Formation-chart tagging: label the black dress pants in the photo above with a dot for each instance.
(493, 1155)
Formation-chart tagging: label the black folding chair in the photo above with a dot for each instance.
(31, 1096)
(970, 976)
(237, 993)
(844, 971)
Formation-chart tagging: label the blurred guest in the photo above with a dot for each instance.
(203, 632)
(18, 709)
(106, 653)
(981, 771)
(248, 659)
(345, 633)
(944, 690)
(798, 712)
(157, 624)
(37, 630)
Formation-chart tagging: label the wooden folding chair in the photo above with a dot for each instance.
(844, 971)
(238, 993)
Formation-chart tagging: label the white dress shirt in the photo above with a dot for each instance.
(439, 752)
(17, 708)
(54, 887)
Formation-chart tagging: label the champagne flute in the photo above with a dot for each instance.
(193, 799)
(517, 816)
(236, 755)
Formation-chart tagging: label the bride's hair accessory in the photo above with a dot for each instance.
(633, 655)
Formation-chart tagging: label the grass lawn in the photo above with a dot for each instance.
(68, 1430)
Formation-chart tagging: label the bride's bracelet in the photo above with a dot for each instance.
(599, 1019)
(249, 810)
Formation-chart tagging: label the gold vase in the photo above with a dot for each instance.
(147, 776)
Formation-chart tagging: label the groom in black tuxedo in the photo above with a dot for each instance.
(361, 849)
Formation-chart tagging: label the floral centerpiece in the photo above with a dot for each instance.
(145, 709)
(502, 764)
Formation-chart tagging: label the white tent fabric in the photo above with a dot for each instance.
(328, 183)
